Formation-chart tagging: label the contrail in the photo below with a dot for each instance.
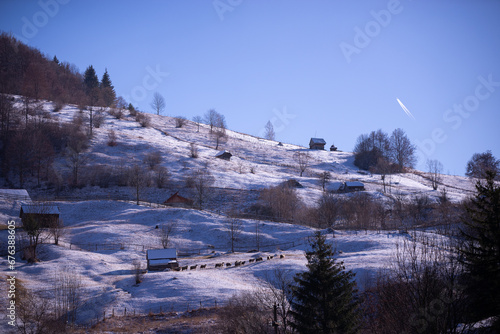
(405, 109)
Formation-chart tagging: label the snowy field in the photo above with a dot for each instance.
(107, 275)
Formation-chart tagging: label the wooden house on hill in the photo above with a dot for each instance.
(179, 201)
(46, 215)
(317, 144)
(224, 155)
(161, 259)
(354, 186)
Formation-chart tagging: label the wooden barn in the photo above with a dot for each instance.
(161, 259)
(317, 144)
(46, 215)
(179, 201)
(354, 186)
(224, 155)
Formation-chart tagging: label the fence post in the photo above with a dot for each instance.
(104, 317)
(125, 313)
(113, 314)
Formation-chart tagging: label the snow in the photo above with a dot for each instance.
(104, 237)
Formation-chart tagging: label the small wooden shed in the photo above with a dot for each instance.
(354, 186)
(46, 215)
(179, 201)
(161, 259)
(224, 155)
(317, 144)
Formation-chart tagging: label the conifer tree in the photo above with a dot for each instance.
(90, 80)
(107, 90)
(481, 251)
(325, 300)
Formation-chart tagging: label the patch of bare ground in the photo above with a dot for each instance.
(201, 321)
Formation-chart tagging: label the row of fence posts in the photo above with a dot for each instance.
(150, 312)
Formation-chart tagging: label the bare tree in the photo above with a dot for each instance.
(56, 230)
(402, 150)
(234, 229)
(162, 176)
(278, 292)
(210, 118)
(434, 168)
(138, 179)
(480, 163)
(219, 135)
(158, 104)
(244, 314)
(67, 294)
(328, 210)
(258, 234)
(137, 270)
(302, 159)
(194, 150)
(152, 159)
(281, 200)
(76, 160)
(198, 120)
(420, 292)
(323, 178)
(166, 231)
(269, 131)
(201, 180)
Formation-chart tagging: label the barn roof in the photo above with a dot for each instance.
(15, 194)
(318, 141)
(40, 209)
(161, 254)
(335, 186)
(221, 153)
(176, 198)
(353, 184)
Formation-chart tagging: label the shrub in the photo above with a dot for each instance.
(143, 119)
(180, 121)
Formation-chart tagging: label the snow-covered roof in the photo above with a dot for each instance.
(221, 153)
(161, 254)
(335, 186)
(40, 209)
(318, 141)
(15, 194)
(354, 184)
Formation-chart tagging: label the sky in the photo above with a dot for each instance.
(330, 69)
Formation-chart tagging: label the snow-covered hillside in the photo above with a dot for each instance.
(255, 164)
(104, 237)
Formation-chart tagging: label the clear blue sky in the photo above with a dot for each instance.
(330, 69)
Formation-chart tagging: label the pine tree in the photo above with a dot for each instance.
(325, 298)
(90, 80)
(481, 250)
(107, 90)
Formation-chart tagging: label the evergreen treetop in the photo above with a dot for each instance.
(90, 80)
(325, 296)
(106, 81)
